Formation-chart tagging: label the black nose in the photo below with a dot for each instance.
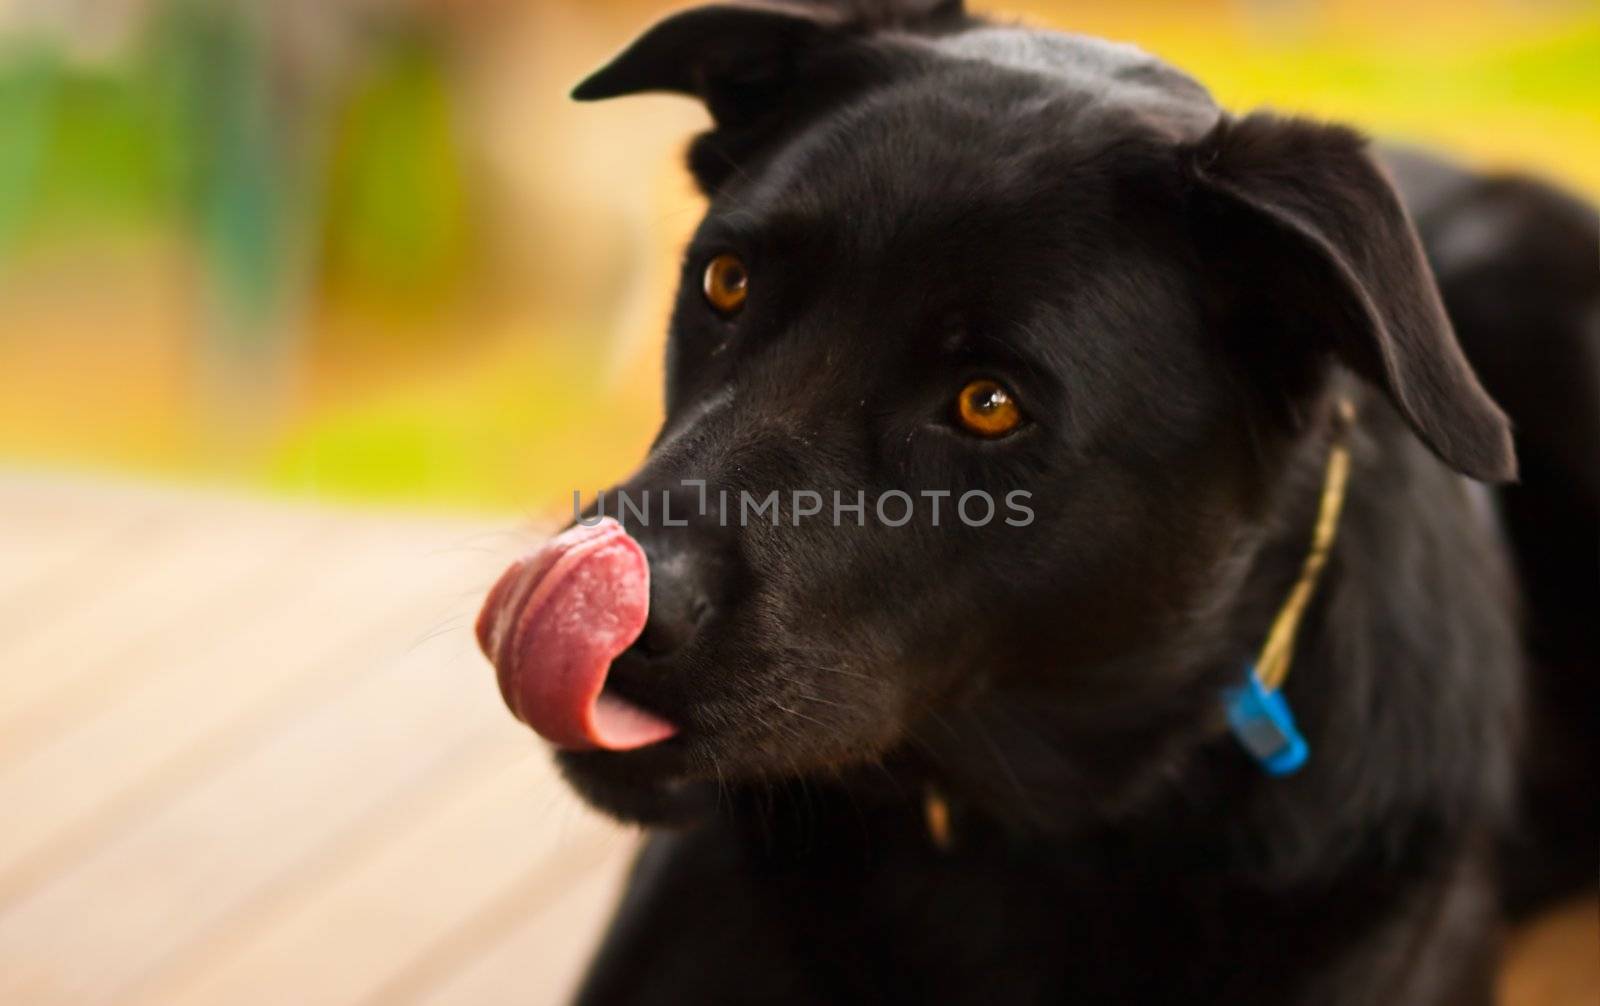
(692, 558)
(679, 603)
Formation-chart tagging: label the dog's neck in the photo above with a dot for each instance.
(1104, 763)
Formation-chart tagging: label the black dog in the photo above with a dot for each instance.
(1026, 759)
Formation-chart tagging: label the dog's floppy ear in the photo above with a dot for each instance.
(717, 51)
(759, 67)
(1318, 246)
(732, 56)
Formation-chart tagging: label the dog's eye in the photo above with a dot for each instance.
(986, 408)
(726, 284)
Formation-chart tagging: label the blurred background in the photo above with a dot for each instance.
(312, 313)
(367, 249)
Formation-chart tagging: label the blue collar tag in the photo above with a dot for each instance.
(1262, 722)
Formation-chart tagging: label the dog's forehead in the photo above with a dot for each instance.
(1114, 75)
(988, 118)
(906, 145)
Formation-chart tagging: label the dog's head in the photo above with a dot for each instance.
(1053, 322)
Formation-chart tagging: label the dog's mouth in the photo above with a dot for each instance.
(643, 734)
(553, 625)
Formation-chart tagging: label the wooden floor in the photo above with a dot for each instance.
(249, 754)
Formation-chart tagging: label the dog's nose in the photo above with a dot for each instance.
(679, 603)
(684, 548)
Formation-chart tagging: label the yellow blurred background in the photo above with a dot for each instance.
(367, 249)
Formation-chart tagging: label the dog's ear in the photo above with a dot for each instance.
(759, 67)
(1319, 252)
(733, 56)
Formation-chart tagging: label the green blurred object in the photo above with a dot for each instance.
(28, 81)
(226, 147)
(192, 133)
(395, 219)
(77, 156)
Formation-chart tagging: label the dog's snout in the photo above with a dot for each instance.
(684, 547)
(679, 603)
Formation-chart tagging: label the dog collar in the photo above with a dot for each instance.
(1258, 713)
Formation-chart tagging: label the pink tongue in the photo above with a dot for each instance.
(553, 625)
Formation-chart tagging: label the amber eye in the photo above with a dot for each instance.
(726, 284)
(987, 409)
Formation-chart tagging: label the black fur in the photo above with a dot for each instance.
(1177, 297)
